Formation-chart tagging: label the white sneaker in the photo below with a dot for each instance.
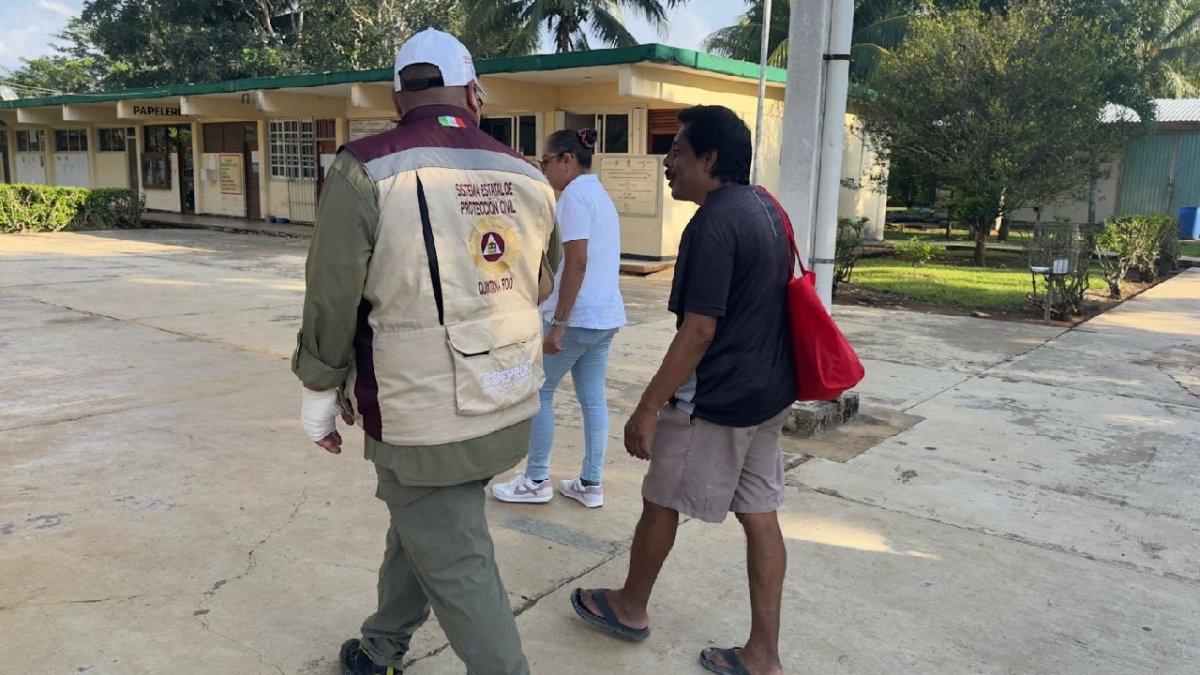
(524, 491)
(590, 496)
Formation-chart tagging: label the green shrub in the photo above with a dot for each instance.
(1137, 247)
(849, 248)
(1168, 246)
(42, 208)
(916, 251)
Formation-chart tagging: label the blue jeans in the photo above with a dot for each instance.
(585, 355)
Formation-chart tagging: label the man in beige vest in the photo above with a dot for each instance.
(421, 324)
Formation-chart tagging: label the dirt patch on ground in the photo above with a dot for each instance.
(1097, 302)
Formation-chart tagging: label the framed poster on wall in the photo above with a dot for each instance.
(634, 182)
(229, 174)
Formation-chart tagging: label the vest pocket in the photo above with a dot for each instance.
(496, 362)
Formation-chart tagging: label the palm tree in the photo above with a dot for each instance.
(1171, 50)
(743, 40)
(570, 22)
(879, 26)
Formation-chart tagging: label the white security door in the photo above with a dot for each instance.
(31, 168)
(71, 169)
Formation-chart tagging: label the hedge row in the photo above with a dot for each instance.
(41, 208)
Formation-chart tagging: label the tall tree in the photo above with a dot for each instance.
(75, 67)
(1161, 36)
(51, 75)
(1171, 50)
(1003, 110)
(356, 34)
(743, 40)
(157, 42)
(879, 27)
(117, 44)
(570, 22)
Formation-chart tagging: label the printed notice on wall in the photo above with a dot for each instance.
(634, 182)
(229, 169)
(370, 127)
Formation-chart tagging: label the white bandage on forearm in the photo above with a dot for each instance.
(318, 413)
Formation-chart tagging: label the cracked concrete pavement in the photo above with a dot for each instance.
(160, 508)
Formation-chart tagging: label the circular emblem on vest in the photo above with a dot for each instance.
(494, 243)
(492, 246)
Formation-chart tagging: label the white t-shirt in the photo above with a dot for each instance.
(585, 211)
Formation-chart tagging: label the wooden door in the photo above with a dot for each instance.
(249, 150)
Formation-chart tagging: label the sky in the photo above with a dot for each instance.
(27, 28)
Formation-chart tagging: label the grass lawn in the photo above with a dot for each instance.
(939, 234)
(987, 289)
(924, 234)
(1190, 248)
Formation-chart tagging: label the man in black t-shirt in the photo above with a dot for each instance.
(710, 420)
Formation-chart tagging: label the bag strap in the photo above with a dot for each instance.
(787, 224)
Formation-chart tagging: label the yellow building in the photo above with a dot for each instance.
(258, 148)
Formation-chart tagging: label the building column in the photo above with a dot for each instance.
(639, 133)
(264, 172)
(138, 136)
(800, 155)
(341, 131)
(198, 184)
(10, 157)
(93, 143)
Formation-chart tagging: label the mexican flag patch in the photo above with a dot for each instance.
(448, 121)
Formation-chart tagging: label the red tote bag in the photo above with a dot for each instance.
(826, 365)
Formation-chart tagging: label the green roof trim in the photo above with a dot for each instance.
(651, 53)
(226, 87)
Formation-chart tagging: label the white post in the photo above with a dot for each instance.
(800, 154)
(837, 86)
(764, 52)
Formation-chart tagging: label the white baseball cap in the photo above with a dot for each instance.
(439, 49)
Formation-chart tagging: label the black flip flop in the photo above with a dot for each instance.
(734, 664)
(609, 623)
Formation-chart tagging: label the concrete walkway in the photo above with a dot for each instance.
(160, 510)
(224, 224)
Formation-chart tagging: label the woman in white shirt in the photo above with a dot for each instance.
(581, 317)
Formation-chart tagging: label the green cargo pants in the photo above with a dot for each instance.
(440, 554)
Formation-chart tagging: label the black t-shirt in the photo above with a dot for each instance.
(734, 264)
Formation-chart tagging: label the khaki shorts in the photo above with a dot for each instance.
(706, 470)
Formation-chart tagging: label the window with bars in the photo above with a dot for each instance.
(31, 141)
(292, 146)
(112, 140)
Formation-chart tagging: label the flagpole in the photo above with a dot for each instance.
(764, 52)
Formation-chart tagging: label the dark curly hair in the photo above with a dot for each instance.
(717, 128)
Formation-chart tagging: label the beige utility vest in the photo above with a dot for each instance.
(449, 347)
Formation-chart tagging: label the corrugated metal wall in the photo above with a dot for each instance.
(1161, 174)
(1186, 186)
